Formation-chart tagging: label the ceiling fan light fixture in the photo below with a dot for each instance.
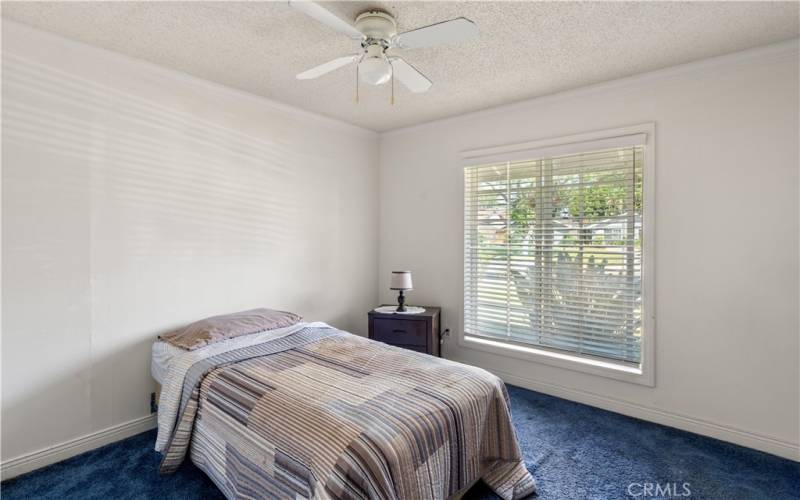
(375, 70)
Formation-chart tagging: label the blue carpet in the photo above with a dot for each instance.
(574, 451)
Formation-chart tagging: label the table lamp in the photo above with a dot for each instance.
(401, 280)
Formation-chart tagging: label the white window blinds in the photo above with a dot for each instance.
(553, 249)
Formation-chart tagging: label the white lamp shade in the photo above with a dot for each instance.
(401, 280)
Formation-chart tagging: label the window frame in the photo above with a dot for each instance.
(644, 374)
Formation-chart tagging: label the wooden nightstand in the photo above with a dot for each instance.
(417, 332)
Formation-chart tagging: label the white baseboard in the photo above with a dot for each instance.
(37, 459)
(724, 433)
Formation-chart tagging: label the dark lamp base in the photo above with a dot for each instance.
(401, 302)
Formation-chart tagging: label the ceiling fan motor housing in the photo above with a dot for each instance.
(377, 25)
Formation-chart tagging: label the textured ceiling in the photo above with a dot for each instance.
(525, 49)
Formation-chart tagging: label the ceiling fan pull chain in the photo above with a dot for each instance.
(392, 102)
(356, 82)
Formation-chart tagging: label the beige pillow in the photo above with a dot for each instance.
(217, 328)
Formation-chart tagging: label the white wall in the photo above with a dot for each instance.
(726, 237)
(137, 199)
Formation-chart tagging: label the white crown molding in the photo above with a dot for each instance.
(50, 455)
(765, 53)
(767, 444)
(111, 58)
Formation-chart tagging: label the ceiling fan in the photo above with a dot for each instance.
(376, 31)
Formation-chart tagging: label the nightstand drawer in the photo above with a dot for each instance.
(400, 332)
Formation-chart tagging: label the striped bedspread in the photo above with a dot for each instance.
(320, 413)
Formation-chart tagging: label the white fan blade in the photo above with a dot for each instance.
(409, 76)
(327, 67)
(323, 15)
(456, 30)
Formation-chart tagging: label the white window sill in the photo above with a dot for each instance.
(609, 369)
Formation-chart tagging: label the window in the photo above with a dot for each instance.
(553, 249)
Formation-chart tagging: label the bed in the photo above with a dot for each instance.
(309, 411)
